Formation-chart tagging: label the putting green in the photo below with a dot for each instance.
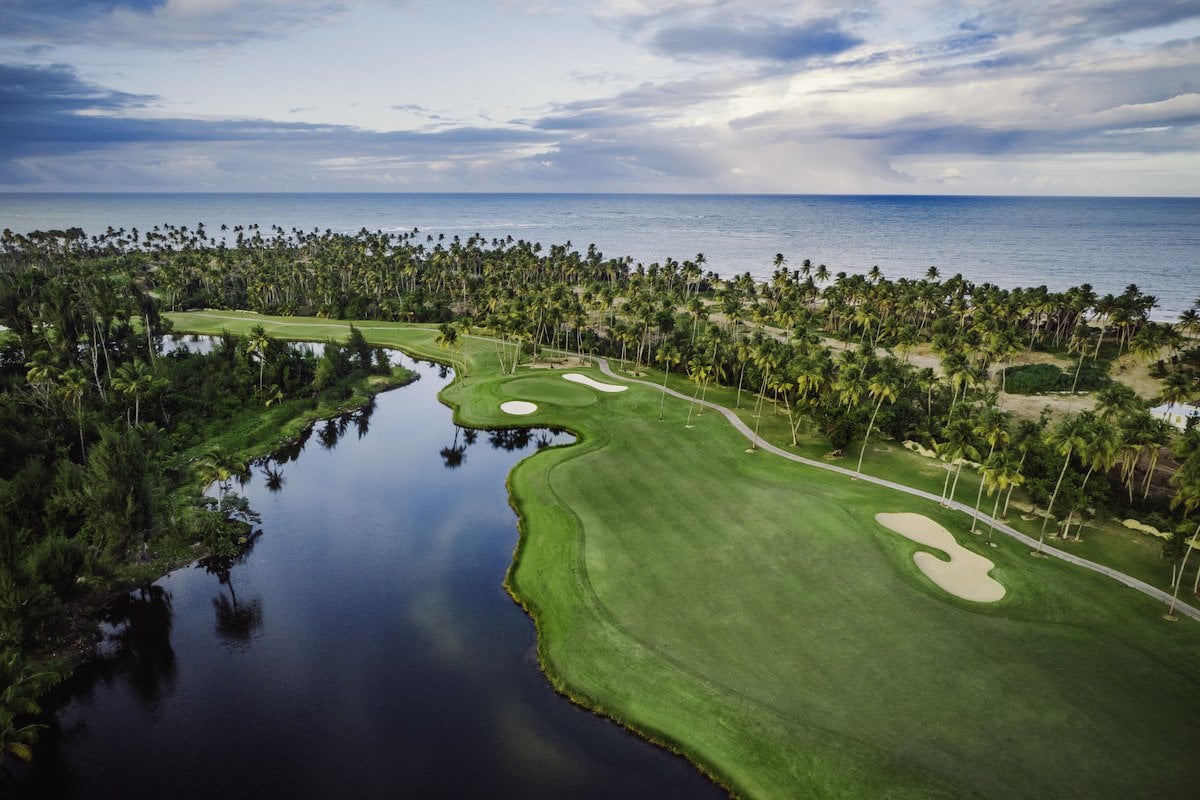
(750, 613)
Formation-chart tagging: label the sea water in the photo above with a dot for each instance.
(1009, 241)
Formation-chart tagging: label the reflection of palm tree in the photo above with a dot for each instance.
(328, 435)
(235, 622)
(273, 477)
(454, 454)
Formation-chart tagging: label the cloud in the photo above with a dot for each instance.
(163, 24)
(758, 95)
(817, 38)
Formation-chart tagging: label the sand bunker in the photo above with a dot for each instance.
(965, 575)
(575, 377)
(518, 407)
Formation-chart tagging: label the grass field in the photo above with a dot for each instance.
(750, 613)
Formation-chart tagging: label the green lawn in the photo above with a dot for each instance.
(749, 612)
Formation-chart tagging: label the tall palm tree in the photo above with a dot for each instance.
(959, 445)
(991, 428)
(73, 386)
(1000, 472)
(1099, 452)
(134, 379)
(1066, 438)
(1188, 495)
(883, 385)
(257, 345)
(217, 466)
(667, 355)
(699, 368)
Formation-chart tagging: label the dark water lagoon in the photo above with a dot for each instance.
(364, 647)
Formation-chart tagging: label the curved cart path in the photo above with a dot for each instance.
(744, 429)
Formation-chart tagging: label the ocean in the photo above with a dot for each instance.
(1009, 241)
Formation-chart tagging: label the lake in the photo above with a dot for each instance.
(363, 647)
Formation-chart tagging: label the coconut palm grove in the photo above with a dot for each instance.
(822, 535)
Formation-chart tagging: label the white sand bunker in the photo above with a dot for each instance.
(518, 407)
(965, 575)
(575, 377)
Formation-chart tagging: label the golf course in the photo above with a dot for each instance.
(753, 614)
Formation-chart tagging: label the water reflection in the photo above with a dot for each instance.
(136, 643)
(454, 454)
(272, 475)
(236, 621)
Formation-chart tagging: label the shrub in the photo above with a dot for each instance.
(1042, 378)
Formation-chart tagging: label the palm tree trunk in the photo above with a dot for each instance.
(1053, 497)
(663, 401)
(992, 524)
(954, 488)
(945, 486)
(691, 406)
(871, 424)
(1175, 596)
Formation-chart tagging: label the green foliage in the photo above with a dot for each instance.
(21, 682)
(56, 561)
(326, 374)
(1045, 378)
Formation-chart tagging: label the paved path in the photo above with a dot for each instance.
(744, 429)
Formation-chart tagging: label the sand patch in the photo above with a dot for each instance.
(965, 575)
(1133, 524)
(518, 408)
(575, 377)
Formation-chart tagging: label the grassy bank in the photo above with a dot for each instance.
(750, 613)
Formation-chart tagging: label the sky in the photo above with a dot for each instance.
(1027, 97)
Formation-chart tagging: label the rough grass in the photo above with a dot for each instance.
(750, 613)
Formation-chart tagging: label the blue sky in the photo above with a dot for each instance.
(924, 96)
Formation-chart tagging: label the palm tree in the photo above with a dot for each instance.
(1188, 495)
(883, 385)
(447, 337)
(1000, 472)
(1066, 437)
(134, 379)
(959, 446)
(217, 466)
(699, 368)
(73, 386)
(1099, 452)
(257, 345)
(990, 428)
(667, 355)
(23, 684)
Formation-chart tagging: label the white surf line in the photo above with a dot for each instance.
(1071, 558)
(575, 377)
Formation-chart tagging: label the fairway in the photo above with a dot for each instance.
(751, 613)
